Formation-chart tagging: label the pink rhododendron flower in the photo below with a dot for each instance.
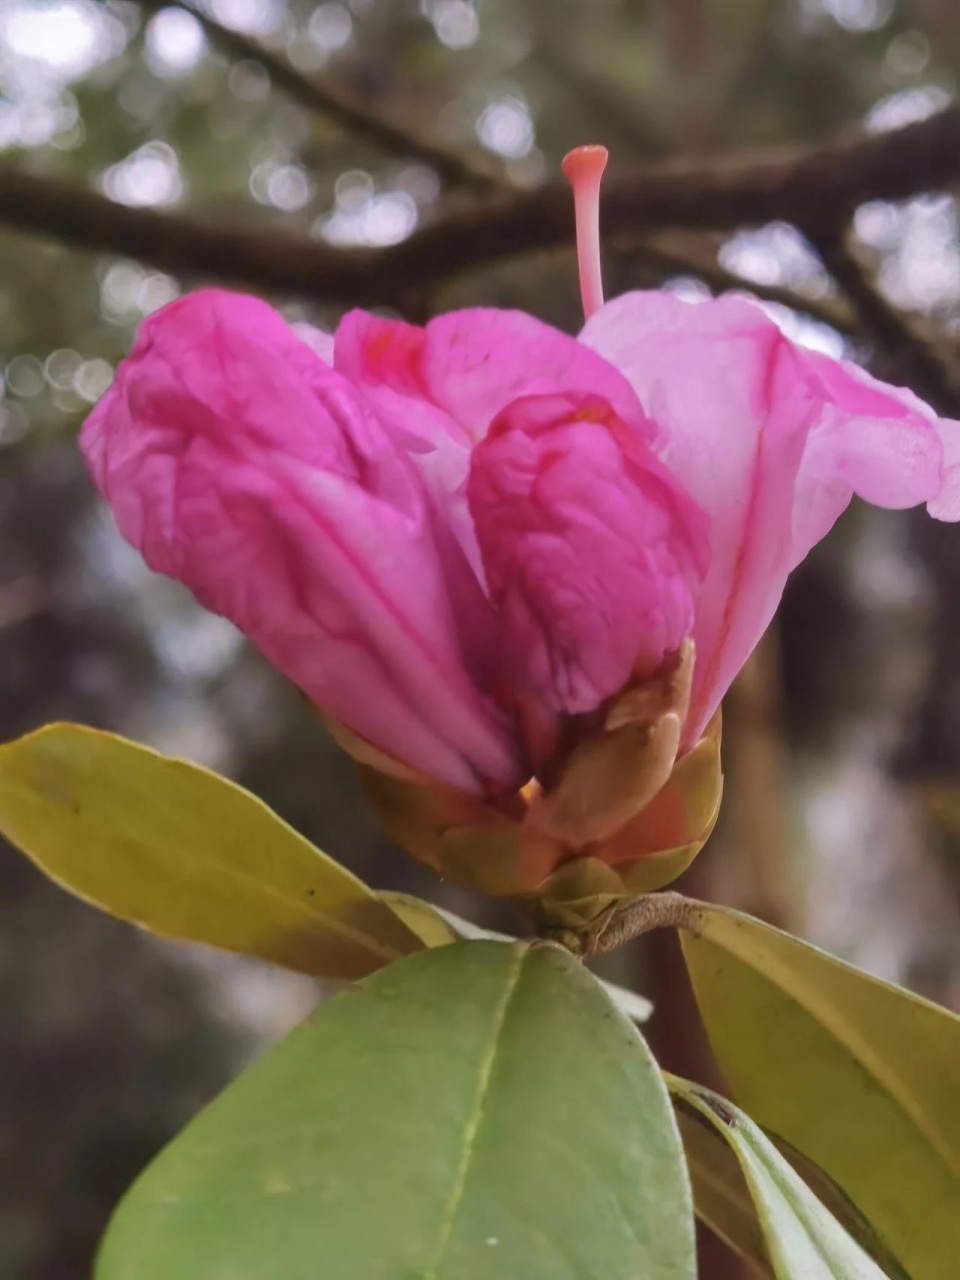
(460, 539)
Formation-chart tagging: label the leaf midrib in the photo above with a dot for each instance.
(475, 1115)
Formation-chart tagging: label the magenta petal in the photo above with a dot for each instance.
(458, 372)
(772, 441)
(440, 387)
(243, 465)
(592, 550)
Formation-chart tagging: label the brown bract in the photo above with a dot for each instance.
(623, 815)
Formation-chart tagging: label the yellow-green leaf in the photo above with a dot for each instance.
(426, 921)
(842, 1208)
(185, 853)
(803, 1240)
(861, 1077)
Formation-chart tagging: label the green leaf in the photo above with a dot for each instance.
(476, 1112)
(437, 926)
(426, 921)
(183, 852)
(842, 1207)
(860, 1077)
(721, 1198)
(803, 1239)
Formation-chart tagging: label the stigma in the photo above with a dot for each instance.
(583, 168)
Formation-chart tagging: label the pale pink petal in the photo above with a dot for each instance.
(441, 386)
(946, 504)
(243, 465)
(771, 440)
(868, 438)
(593, 552)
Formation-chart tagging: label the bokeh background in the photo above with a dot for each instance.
(842, 737)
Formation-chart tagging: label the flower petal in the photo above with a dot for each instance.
(464, 367)
(772, 440)
(242, 464)
(868, 438)
(592, 550)
(440, 387)
(945, 505)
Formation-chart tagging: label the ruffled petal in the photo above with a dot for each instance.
(592, 550)
(243, 465)
(438, 388)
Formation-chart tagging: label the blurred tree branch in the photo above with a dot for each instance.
(823, 219)
(666, 259)
(909, 355)
(611, 108)
(617, 110)
(323, 99)
(815, 188)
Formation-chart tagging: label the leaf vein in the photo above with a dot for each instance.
(475, 1117)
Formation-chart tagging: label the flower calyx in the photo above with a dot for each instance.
(618, 815)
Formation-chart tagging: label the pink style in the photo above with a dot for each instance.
(455, 538)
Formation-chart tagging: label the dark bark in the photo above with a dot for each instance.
(814, 187)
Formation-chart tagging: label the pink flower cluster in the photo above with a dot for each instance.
(455, 538)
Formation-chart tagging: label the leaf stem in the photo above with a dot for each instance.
(621, 924)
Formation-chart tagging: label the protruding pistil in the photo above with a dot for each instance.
(584, 168)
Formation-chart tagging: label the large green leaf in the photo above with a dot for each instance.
(186, 853)
(859, 1076)
(436, 926)
(476, 1112)
(803, 1239)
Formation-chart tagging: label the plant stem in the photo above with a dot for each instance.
(622, 924)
